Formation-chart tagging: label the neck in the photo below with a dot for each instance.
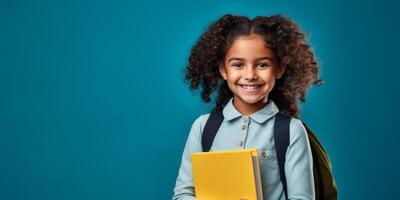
(248, 109)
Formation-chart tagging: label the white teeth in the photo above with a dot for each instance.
(251, 87)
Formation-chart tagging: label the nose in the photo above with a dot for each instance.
(250, 74)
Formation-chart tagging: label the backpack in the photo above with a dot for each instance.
(324, 183)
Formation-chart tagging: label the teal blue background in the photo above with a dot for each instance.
(93, 103)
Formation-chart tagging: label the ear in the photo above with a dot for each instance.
(222, 71)
(281, 71)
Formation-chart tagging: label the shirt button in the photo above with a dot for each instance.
(244, 127)
(264, 154)
(241, 143)
(245, 119)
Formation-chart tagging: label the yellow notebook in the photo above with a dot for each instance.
(227, 175)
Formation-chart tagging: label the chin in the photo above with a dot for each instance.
(251, 100)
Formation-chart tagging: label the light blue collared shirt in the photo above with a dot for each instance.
(239, 131)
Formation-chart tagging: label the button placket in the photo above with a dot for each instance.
(244, 129)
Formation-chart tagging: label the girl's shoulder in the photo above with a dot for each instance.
(200, 122)
(196, 131)
(297, 130)
(296, 123)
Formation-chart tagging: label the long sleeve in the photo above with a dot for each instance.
(299, 164)
(184, 186)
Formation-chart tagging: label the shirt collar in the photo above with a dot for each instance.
(230, 112)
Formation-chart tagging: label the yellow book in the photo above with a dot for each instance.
(227, 175)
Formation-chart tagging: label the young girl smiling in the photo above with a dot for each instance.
(258, 67)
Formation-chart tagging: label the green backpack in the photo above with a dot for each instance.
(324, 183)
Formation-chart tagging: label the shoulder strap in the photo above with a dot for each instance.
(281, 137)
(210, 129)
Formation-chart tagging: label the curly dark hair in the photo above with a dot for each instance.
(288, 43)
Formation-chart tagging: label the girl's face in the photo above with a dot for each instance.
(250, 70)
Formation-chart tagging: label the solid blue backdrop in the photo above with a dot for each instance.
(93, 103)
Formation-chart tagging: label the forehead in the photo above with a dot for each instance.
(248, 47)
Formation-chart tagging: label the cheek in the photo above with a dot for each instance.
(233, 76)
(269, 80)
(271, 84)
(268, 76)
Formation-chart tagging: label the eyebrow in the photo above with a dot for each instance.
(257, 59)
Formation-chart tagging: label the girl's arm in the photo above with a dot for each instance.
(299, 164)
(184, 187)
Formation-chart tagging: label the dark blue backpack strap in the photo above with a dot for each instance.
(210, 129)
(281, 137)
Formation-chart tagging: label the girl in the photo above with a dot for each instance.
(258, 67)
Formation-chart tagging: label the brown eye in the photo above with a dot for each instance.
(262, 65)
(237, 65)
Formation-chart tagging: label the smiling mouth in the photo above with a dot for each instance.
(250, 88)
